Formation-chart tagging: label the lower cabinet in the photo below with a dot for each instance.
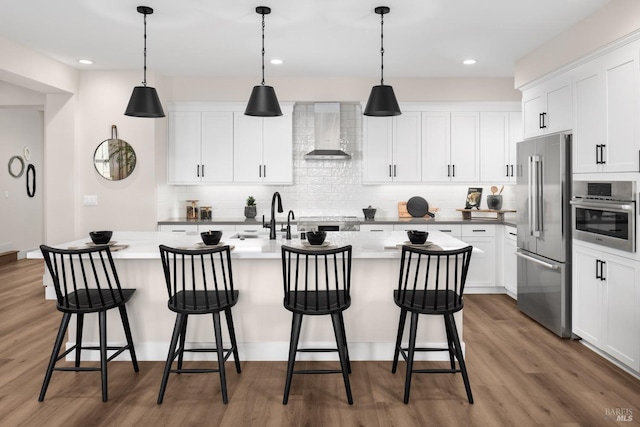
(482, 270)
(509, 261)
(606, 303)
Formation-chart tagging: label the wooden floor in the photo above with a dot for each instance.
(521, 375)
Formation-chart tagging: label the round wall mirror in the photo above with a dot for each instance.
(114, 159)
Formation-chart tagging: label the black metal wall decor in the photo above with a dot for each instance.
(31, 180)
(16, 173)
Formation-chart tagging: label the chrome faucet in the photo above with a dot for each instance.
(290, 216)
(272, 221)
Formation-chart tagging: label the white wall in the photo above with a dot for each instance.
(21, 224)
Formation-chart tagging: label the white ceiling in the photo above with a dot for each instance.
(315, 38)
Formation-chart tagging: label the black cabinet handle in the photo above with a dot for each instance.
(598, 269)
(454, 170)
(479, 230)
(542, 123)
(264, 170)
(395, 170)
(602, 160)
(507, 170)
(602, 263)
(513, 234)
(390, 171)
(512, 170)
(203, 171)
(198, 172)
(448, 170)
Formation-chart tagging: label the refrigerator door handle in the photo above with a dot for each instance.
(537, 261)
(535, 196)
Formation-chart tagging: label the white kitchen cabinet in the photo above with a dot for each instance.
(451, 146)
(509, 261)
(200, 147)
(606, 303)
(263, 148)
(409, 226)
(606, 102)
(499, 133)
(454, 230)
(391, 148)
(179, 228)
(376, 227)
(547, 108)
(482, 269)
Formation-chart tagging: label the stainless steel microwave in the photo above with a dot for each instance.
(604, 213)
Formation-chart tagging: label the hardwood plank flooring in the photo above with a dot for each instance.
(520, 374)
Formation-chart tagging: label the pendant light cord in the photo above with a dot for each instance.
(262, 49)
(144, 82)
(381, 49)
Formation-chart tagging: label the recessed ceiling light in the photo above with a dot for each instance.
(276, 61)
(85, 61)
(469, 61)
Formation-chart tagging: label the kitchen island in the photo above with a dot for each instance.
(262, 324)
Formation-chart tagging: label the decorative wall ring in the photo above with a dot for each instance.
(11, 171)
(31, 179)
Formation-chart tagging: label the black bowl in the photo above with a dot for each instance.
(417, 237)
(211, 237)
(316, 237)
(100, 237)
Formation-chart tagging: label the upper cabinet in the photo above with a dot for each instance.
(200, 148)
(499, 133)
(450, 146)
(547, 108)
(605, 100)
(391, 148)
(263, 148)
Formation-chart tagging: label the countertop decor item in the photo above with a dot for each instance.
(263, 101)
(474, 198)
(192, 209)
(144, 101)
(316, 237)
(494, 201)
(369, 213)
(382, 100)
(100, 237)
(417, 237)
(250, 210)
(211, 237)
(418, 207)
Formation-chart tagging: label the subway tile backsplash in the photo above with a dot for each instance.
(321, 187)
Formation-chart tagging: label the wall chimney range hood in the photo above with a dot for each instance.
(327, 133)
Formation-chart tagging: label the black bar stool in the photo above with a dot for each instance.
(317, 282)
(431, 282)
(86, 281)
(199, 282)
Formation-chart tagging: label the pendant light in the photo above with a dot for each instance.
(144, 100)
(263, 101)
(382, 101)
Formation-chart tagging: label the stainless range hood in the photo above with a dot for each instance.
(327, 133)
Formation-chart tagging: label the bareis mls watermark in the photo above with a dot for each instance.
(619, 414)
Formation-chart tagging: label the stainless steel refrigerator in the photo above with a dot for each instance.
(543, 191)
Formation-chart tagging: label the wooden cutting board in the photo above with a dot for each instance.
(403, 213)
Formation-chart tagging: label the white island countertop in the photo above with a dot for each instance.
(144, 244)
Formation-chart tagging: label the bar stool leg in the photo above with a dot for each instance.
(102, 325)
(342, 353)
(463, 367)
(296, 324)
(344, 337)
(220, 351)
(403, 319)
(180, 319)
(62, 330)
(412, 348)
(79, 326)
(127, 333)
(452, 350)
(232, 336)
(183, 337)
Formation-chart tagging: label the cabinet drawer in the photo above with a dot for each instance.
(479, 230)
(405, 227)
(376, 227)
(453, 229)
(186, 229)
(511, 233)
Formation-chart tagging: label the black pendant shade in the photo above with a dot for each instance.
(382, 102)
(144, 102)
(263, 102)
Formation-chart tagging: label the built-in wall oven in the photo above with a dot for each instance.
(604, 213)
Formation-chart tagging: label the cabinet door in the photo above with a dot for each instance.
(589, 123)
(407, 147)
(183, 150)
(465, 147)
(217, 147)
(377, 153)
(515, 136)
(494, 146)
(436, 140)
(247, 148)
(559, 108)
(533, 104)
(510, 262)
(482, 265)
(277, 151)
(621, 337)
(621, 74)
(586, 296)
